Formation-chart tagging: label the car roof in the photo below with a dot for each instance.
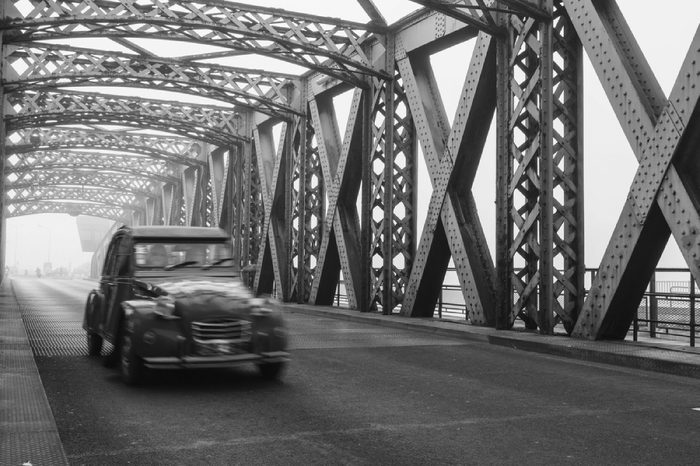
(177, 232)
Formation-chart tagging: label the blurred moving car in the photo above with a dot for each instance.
(171, 297)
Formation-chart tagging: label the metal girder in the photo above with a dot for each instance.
(475, 13)
(139, 166)
(452, 225)
(218, 163)
(341, 162)
(333, 47)
(47, 207)
(274, 251)
(661, 200)
(389, 191)
(34, 66)
(482, 13)
(539, 200)
(45, 108)
(299, 284)
(373, 12)
(309, 201)
(167, 194)
(171, 149)
(123, 181)
(86, 194)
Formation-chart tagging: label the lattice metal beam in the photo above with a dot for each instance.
(473, 12)
(97, 195)
(47, 207)
(482, 13)
(333, 47)
(35, 66)
(64, 160)
(181, 151)
(216, 125)
(126, 182)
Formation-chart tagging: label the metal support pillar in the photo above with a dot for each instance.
(537, 225)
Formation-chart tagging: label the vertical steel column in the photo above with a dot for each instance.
(525, 173)
(233, 202)
(298, 186)
(314, 208)
(168, 196)
(568, 221)
(545, 319)
(387, 277)
(3, 142)
(218, 176)
(190, 180)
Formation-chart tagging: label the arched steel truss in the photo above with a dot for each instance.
(275, 169)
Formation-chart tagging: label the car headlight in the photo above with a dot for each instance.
(260, 307)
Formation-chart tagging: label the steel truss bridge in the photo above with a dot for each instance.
(260, 153)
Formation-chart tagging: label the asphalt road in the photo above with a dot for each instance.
(358, 394)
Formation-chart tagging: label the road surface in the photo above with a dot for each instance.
(357, 394)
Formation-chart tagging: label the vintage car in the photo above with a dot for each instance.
(171, 298)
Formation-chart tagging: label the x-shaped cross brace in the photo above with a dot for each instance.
(272, 257)
(452, 226)
(659, 202)
(341, 163)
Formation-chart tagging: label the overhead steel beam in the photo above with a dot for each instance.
(139, 166)
(35, 66)
(472, 12)
(127, 182)
(333, 47)
(97, 195)
(118, 214)
(176, 150)
(216, 125)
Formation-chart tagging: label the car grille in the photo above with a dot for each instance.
(231, 330)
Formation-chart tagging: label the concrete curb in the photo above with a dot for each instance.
(636, 355)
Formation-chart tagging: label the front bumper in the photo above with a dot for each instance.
(214, 362)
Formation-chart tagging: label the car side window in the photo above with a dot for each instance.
(108, 267)
(123, 257)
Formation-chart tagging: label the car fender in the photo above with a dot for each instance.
(141, 320)
(271, 332)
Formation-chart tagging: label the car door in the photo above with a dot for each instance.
(120, 285)
(107, 284)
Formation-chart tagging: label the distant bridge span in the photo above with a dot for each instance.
(259, 152)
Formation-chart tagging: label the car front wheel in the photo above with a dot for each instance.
(131, 366)
(94, 342)
(271, 370)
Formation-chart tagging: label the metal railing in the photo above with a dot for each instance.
(667, 309)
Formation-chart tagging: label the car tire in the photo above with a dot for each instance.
(94, 343)
(271, 370)
(130, 364)
(112, 358)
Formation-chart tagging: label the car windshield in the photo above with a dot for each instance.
(171, 255)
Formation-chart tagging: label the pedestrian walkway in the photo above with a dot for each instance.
(28, 433)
